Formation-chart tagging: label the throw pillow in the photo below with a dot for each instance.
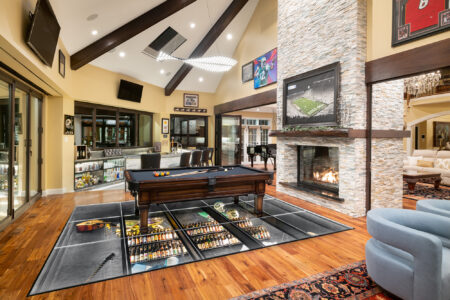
(412, 160)
(425, 163)
(442, 163)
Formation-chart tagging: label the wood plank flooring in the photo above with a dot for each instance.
(26, 243)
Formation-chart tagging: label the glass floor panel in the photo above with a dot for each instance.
(103, 241)
(75, 232)
(81, 264)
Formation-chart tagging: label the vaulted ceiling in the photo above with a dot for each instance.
(76, 33)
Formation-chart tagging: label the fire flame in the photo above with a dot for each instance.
(330, 176)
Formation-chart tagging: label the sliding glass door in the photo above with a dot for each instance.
(20, 145)
(34, 146)
(230, 129)
(4, 148)
(20, 149)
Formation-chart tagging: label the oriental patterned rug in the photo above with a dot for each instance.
(426, 191)
(346, 282)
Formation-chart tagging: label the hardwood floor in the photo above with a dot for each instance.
(26, 243)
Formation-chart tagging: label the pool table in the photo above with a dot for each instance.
(183, 184)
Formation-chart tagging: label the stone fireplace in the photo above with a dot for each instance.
(331, 170)
(318, 169)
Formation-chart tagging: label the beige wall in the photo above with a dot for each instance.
(379, 28)
(259, 38)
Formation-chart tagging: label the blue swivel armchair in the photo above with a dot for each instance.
(435, 206)
(407, 255)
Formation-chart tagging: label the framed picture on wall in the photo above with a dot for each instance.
(247, 72)
(190, 100)
(62, 64)
(164, 126)
(68, 125)
(265, 69)
(311, 98)
(441, 134)
(416, 19)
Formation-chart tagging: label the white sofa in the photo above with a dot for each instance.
(440, 159)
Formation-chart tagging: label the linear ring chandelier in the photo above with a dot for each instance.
(211, 64)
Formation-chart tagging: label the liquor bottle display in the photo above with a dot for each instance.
(194, 229)
(215, 240)
(258, 232)
(155, 235)
(155, 251)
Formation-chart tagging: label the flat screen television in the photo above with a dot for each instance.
(44, 32)
(130, 91)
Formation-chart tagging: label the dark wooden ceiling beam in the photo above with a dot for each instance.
(233, 9)
(410, 62)
(126, 32)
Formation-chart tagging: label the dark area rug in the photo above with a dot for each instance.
(346, 282)
(426, 191)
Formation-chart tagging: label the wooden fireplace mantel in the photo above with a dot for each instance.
(342, 133)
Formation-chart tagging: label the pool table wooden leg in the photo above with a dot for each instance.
(236, 199)
(259, 205)
(143, 218)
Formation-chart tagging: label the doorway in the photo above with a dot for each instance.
(20, 146)
(228, 140)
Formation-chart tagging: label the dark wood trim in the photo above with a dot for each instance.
(225, 19)
(27, 84)
(368, 147)
(411, 62)
(260, 99)
(109, 107)
(347, 133)
(126, 32)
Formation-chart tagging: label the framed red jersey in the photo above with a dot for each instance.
(414, 19)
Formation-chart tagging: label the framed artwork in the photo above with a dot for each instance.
(247, 72)
(265, 69)
(68, 125)
(164, 126)
(311, 98)
(441, 135)
(414, 19)
(62, 64)
(190, 100)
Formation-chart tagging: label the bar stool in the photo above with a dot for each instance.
(185, 159)
(196, 158)
(150, 161)
(205, 157)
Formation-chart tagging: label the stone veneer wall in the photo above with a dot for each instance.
(312, 34)
(387, 154)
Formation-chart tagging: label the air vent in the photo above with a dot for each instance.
(168, 42)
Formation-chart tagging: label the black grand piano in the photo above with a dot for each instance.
(266, 152)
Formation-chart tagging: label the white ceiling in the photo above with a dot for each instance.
(76, 34)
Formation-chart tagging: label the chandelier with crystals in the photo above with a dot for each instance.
(211, 64)
(422, 85)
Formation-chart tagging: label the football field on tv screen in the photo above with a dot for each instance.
(309, 107)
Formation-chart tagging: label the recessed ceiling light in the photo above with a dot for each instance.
(200, 79)
(229, 36)
(258, 109)
(94, 32)
(92, 17)
(122, 54)
(162, 71)
(192, 25)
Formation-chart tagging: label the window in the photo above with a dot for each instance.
(252, 137)
(114, 127)
(189, 131)
(264, 136)
(263, 123)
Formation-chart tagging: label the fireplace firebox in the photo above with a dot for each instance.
(318, 169)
